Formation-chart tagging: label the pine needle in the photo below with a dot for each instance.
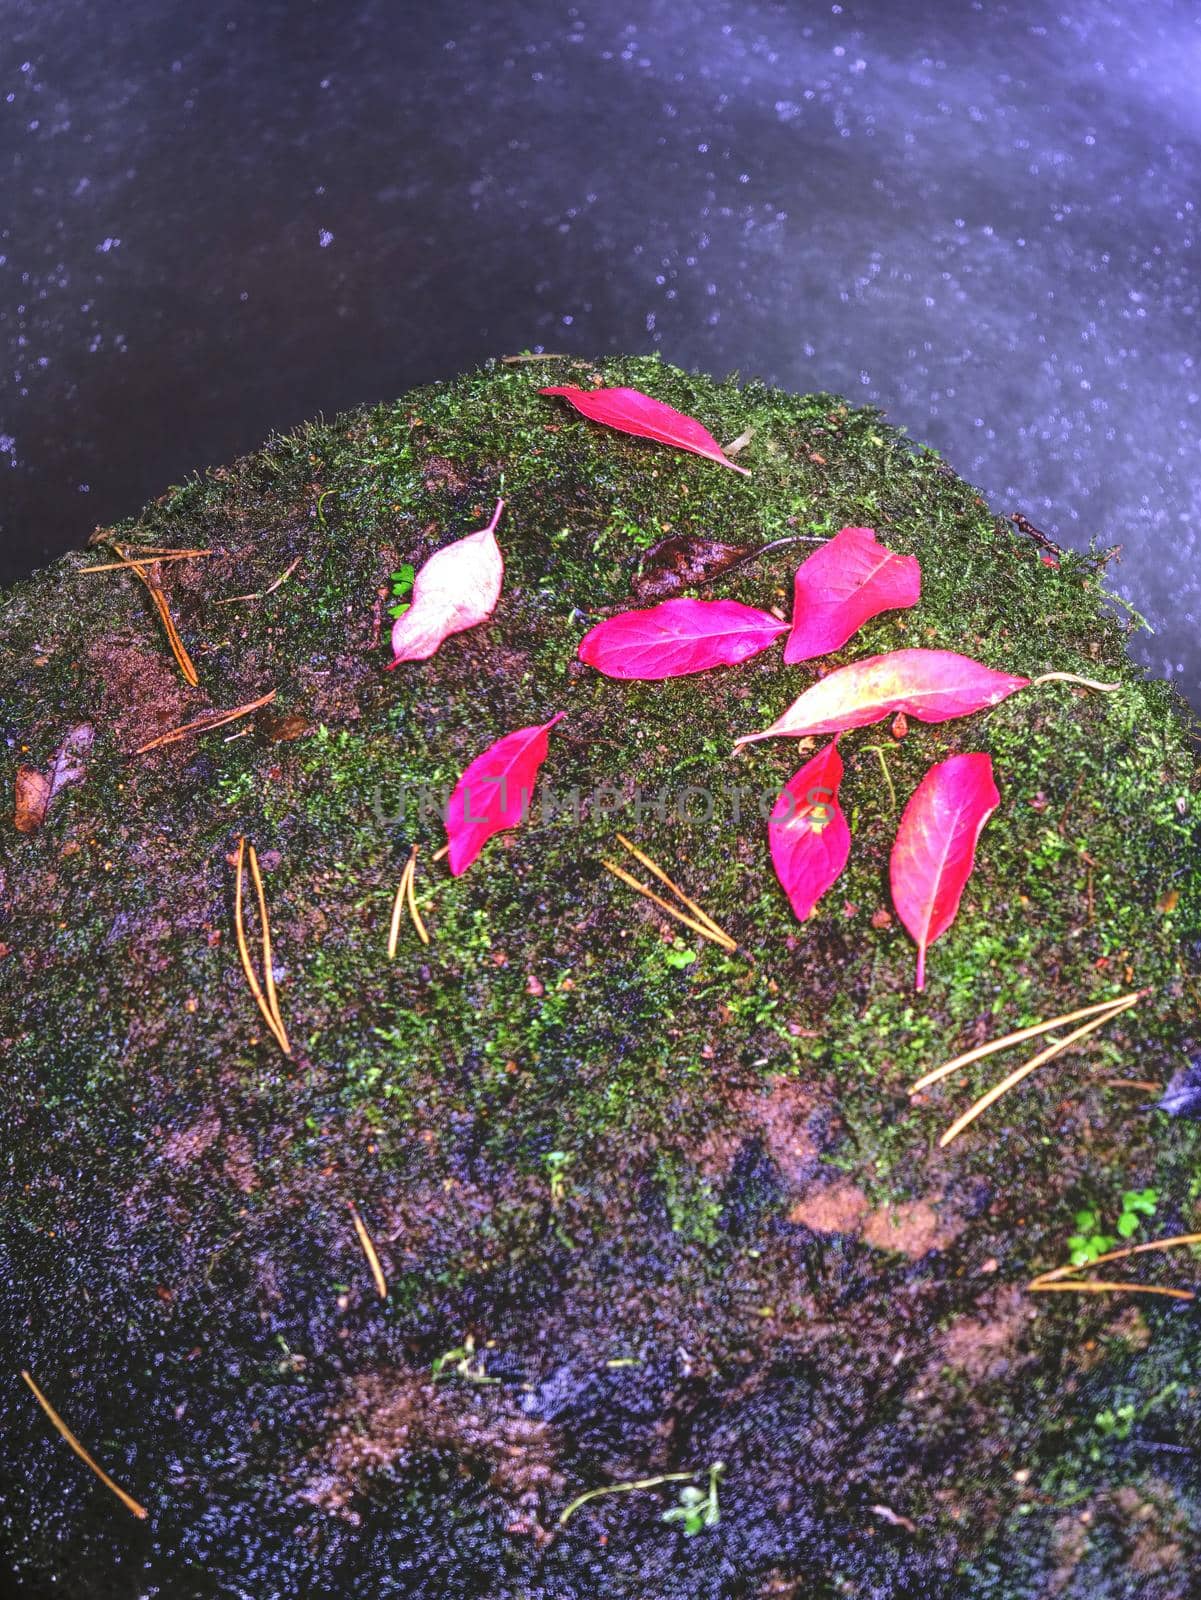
(369, 1250)
(261, 594)
(1017, 1038)
(411, 896)
(211, 719)
(154, 588)
(268, 964)
(1146, 1248)
(690, 905)
(1030, 1066)
(157, 555)
(126, 1500)
(705, 932)
(397, 907)
(1098, 1286)
(247, 965)
(438, 854)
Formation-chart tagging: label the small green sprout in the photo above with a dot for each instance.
(1088, 1242)
(678, 955)
(698, 1509)
(1136, 1203)
(556, 1163)
(402, 588)
(462, 1362)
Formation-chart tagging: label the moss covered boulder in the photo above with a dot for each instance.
(642, 1205)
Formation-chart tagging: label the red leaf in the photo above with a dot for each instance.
(843, 585)
(677, 637)
(931, 685)
(935, 848)
(807, 832)
(457, 588)
(494, 792)
(631, 411)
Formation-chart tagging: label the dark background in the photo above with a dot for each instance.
(219, 219)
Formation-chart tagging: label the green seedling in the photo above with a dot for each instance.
(678, 955)
(556, 1163)
(1088, 1242)
(698, 1508)
(402, 588)
(462, 1362)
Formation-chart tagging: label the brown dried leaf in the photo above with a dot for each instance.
(35, 790)
(681, 560)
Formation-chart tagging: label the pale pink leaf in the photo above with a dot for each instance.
(931, 685)
(457, 588)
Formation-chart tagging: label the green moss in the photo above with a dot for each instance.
(552, 1010)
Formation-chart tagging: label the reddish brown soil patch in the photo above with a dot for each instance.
(389, 1419)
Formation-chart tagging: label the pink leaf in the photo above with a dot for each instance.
(457, 588)
(677, 637)
(807, 832)
(631, 411)
(495, 792)
(935, 848)
(931, 685)
(843, 585)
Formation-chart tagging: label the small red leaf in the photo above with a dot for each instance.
(807, 832)
(843, 585)
(631, 411)
(494, 792)
(457, 588)
(931, 685)
(935, 848)
(677, 637)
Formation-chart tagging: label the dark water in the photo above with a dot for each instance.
(219, 219)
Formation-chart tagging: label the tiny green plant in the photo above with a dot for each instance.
(556, 1163)
(1117, 1423)
(402, 588)
(698, 1508)
(1088, 1242)
(678, 955)
(462, 1362)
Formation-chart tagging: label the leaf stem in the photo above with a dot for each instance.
(1071, 677)
(626, 1488)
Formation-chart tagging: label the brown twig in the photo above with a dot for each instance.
(126, 1500)
(211, 719)
(369, 1250)
(261, 594)
(721, 939)
(1024, 1071)
(277, 1030)
(1017, 1038)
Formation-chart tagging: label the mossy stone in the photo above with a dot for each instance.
(679, 1200)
